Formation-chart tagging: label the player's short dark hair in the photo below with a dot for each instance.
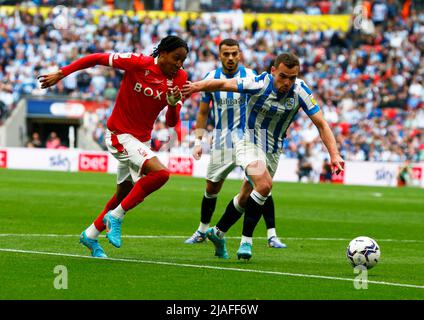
(168, 44)
(229, 42)
(289, 59)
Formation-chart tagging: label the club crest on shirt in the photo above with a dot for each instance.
(289, 103)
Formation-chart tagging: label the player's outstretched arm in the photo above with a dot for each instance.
(327, 137)
(209, 85)
(88, 61)
(50, 79)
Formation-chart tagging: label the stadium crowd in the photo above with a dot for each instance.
(369, 82)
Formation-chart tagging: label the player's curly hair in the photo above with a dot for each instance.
(168, 44)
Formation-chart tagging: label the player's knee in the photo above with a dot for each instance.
(213, 188)
(264, 187)
(242, 199)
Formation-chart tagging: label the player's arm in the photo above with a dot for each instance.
(175, 102)
(311, 108)
(88, 61)
(249, 85)
(201, 121)
(210, 85)
(124, 61)
(174, 98)
(329, 141)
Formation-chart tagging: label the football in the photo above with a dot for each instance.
(363, 251)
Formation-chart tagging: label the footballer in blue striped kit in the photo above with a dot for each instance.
(229, 109)
(275, 98)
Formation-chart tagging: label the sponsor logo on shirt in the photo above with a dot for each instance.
(231, 101)
(148, 92)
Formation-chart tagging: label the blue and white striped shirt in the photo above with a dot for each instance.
(229, 109)
(270, 113)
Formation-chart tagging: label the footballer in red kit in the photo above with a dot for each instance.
(142, 94)
(149, 84)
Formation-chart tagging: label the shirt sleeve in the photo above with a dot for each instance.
(307, 100)
(251, 84)
(127, 61)
(253, 72)
(206, 97)
(87, 61)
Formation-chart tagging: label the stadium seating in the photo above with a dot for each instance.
(370, 86)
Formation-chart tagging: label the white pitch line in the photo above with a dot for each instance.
(212, 267)
(184, 237)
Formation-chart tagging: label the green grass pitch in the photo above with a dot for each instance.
(43, 213)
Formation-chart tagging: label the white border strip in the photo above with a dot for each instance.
(211, 267)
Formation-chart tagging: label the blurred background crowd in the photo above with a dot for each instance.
(369, 83)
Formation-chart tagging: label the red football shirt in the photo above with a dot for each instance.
(142, 94)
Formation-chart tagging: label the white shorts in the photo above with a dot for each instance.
(221, 163)
(131, 154)
(247, 152)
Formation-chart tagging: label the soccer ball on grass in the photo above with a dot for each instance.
(363, 251)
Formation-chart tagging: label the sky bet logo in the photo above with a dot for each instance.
(382, 174)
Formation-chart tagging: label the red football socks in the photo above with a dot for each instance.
(145, 186)
(112, 204)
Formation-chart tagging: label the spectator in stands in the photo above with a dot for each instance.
(110, 92)
(99, 135)
(379, 11)
(161, 136)
(255, 25)
(405, 174)
(325, 175)
(358, 76)
(3, 111)
(7, 99)
(304, 165)
(53, 141)
(35, 140)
